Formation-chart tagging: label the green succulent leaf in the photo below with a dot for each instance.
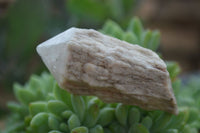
(155, 40)
(55, 131)
(25, 96)
(73, 122)
(136, 27)
(116, 127)
(162, 122)
(40, 122)
(138, 128)
(56, 106)
(92, 114)
(37, 107)
(130, 37)
(64, 127)
(121, 113)
(146, 38)
(147, 122)
(173, 69)
(106, 116)
(80, 130)
(97, 129)
(62, 95)
(53, 123)
(78, 106)
(134, 116)
(66, 114)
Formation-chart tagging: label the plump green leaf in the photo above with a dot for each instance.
(73, 122)
(55, 131)
(146, 38)
(78, 106)
(22, 110)
(136, 27)
(172, 131)
(116, 127)
(133, 116)
(130, 37)
(147, 122)
(155, 40)
(113, 29)
(37, 107)
(97, 129)
(62, 95)
(56, 107)
(173, 69)
(34, 83)
(80, 130)
(121, 113)
(92, 114)
(53, 122)
(138, 128)
(64, 127)
(106, 116)
(40, 123)
(162, 122)
(24, 96)
(66, 114)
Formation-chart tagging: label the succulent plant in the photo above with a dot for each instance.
(43, 107)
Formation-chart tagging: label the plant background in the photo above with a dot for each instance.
(26, 23)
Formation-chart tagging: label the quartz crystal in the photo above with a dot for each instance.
(87, 62)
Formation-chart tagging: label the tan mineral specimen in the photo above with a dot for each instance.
(86, 62)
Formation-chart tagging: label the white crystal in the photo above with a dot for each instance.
(86, 62)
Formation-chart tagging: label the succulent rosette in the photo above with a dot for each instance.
(43, 107)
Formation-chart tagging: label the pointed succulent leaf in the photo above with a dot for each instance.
(62, 95)
(81, 129)
(24, 96)
(66, 114)
(136, 27)
(64, 127)
(121, 113)
(155, 40)
(172, 131)
(73, 122)
(138, 128)
(179, 120)
(34, 83)
(56, 107)
(55, 131)
(53, 122)
(92, 114)
(78, 106)
(116, 127)
(146, 37)
(130, 37)
(147, 122)
(40, 123)
(110, 27)
(133, 116)
(173, 69)
(162, 122)
(106, 116)
(37, 107)
(97, 129)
